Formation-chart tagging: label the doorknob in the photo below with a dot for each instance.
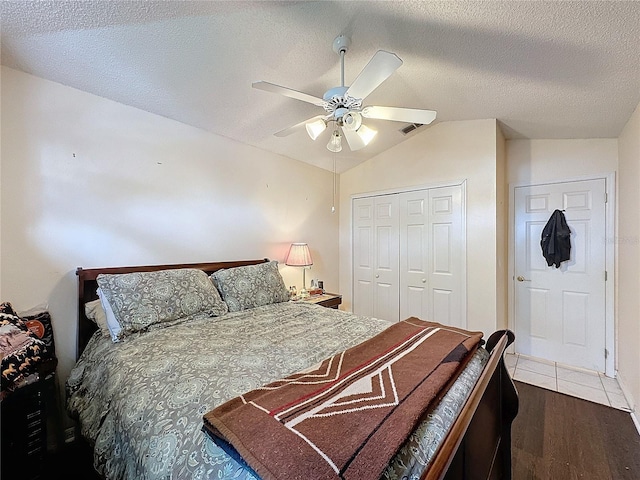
(377, 276)
(520, 278)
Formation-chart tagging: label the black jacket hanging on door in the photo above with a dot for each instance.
(556, 241)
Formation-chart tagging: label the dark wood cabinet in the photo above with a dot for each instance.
(24, 430)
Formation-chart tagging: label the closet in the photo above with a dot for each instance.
(409, 255)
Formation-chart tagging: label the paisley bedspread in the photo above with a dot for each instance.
(141, 401)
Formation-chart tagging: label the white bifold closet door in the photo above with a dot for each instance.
(375, 260)
(408, 255)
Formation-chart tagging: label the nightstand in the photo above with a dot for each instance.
(24, 427)
(329, 300)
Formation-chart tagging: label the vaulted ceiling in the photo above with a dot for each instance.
(543, 69)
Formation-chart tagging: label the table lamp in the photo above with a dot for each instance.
(299, 256)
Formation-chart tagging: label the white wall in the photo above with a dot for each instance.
(447, 152)
(540, 161)
(628, 306)
(90, 182)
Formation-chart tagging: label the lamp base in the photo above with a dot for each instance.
(304, 293)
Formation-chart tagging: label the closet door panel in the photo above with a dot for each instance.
(441, 244)
(446, 256)
(442, 306)
(414, 254)
(386, 295)
(414, 302)
(363, 236)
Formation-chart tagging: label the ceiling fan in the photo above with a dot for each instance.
(343, 105)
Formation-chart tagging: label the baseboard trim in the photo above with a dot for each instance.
(635, 421)
(630, 401)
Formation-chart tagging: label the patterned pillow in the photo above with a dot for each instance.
(22, 352)
(251, 286)
(142, 299)
(40, 324)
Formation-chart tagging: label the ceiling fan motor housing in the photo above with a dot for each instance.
(335, 93)
(337, 103)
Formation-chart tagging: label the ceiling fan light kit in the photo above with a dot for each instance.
(344, 104)
(335, 144)
(366, 134)
(315, 128)
(352, 121)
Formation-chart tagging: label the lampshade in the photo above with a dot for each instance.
(366, 134)
(299, 255)
(335, 144)
(352, 121)
(315, 128)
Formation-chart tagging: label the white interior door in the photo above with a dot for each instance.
(560, 312)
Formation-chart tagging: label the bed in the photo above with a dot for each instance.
(140, 402)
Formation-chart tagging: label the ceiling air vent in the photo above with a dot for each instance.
(410, 128)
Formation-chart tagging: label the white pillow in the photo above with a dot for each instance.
(94, 312)
(112, 323)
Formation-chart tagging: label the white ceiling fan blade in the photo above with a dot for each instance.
(409, 115)
(353, 139)
(379, 68)
(298, 126)
(287, 92)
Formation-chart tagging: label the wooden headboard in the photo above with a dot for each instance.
(87, 286)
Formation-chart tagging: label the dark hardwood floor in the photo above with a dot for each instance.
(556, 436)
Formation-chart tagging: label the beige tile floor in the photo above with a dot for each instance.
(580, 383)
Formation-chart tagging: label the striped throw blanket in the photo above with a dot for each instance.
(345, 417)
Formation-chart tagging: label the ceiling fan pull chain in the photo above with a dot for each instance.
(333, 206)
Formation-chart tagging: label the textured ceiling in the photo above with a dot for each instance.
(543, 69)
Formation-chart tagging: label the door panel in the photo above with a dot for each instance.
(560, 312)
(538, 305)
(575, 310)
(442, 308)
(414, 301)
(363, 291)
(442, 249)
